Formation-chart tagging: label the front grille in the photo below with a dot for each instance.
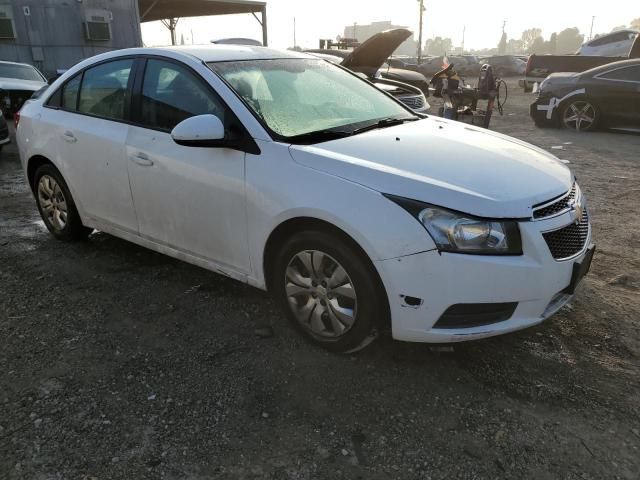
(570, 240)
(558, 206)
(414, 102)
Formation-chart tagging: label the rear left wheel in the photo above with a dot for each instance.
(56, 206)
(329, 291)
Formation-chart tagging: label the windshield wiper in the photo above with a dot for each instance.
(384, 123)
(319, 136)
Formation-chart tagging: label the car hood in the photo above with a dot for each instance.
(17, 84)
(445, 163)
(373, 52)
(402, 75)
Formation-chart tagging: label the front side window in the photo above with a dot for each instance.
(103, 92)
(296, 97)
(630, 74)
(172, 93)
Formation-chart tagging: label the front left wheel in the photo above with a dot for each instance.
(56, 206)
(329, 290)
(580, 114)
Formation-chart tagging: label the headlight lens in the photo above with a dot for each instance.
(457, 232)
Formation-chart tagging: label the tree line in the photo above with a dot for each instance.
(531, 41)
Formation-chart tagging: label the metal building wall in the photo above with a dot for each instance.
(52, 37)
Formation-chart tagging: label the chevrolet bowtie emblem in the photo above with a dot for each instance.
(576, 211)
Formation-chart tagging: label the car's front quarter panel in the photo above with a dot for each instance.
(279, 189)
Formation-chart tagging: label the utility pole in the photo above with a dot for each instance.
(591, 31)
(420, 30)
(355, 34)
(464, 29)
(295, 43)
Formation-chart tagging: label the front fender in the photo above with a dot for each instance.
(279, 189)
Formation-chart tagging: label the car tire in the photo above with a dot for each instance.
(56, 205)
(341, 311)
(584, 110)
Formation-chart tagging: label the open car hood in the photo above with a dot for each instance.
(372, 53)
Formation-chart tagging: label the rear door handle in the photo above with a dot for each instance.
(142, 159)
(69, 137)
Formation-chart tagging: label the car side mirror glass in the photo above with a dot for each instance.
(199, 131)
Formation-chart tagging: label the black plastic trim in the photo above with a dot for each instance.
(469, 315)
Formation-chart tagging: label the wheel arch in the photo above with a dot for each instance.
(35, 162)
(291, 226)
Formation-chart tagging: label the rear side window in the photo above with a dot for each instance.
(69, 100)
(630, 74)
(172, 93)
(103, 92)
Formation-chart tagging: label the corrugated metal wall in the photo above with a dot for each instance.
(52, 35)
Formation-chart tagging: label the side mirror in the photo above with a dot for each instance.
(200, 131)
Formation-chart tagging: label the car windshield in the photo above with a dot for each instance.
(300, 99)
(21, 72)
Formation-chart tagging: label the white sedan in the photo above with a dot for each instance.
(292, 174)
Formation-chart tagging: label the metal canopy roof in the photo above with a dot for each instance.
(151, 10)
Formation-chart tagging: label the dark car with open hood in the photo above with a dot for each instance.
(370, 59)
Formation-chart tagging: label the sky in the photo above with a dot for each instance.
(483, 19)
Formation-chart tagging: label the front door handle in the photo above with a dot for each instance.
(142, 159)
(69, 137)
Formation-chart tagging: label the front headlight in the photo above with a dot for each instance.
(461, 233)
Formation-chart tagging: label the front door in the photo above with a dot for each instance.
(618, 92)
(189, 198)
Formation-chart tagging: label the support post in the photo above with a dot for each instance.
(265, 40)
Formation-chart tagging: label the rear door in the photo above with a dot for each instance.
(618, 94)
(92, 130)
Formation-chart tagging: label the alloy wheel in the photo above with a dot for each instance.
(320, 294)
(579, 116)
(52, 202)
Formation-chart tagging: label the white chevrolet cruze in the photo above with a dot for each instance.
(289, 173)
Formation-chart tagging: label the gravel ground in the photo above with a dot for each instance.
(120, 363)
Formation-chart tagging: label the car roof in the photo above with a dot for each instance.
(226, 52)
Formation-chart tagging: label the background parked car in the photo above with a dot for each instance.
(540, 66)
(506, 65)
(4, 132)
(411, 96)
(18, 81)
(371, 58)
(606, 96)
(616, 44)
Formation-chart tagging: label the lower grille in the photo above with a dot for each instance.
(468, 315)
(570, 240)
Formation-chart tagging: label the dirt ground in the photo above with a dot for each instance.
(120, 363)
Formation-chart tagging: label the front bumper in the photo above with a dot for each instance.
(439, 280)
(542, 110)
